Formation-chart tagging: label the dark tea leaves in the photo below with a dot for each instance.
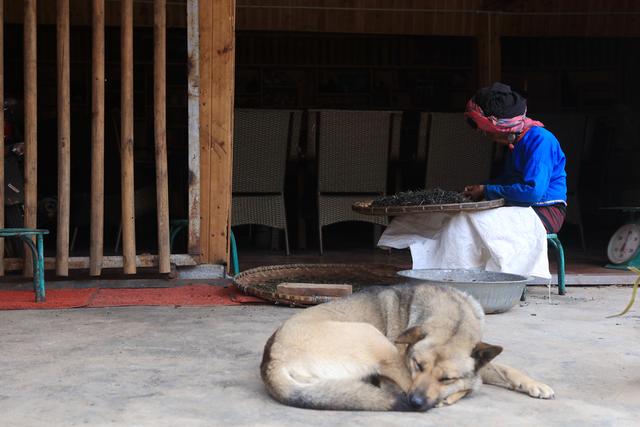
(434, 196)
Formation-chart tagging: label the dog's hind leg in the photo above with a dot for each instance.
(395, 369)
(507, 377)
(335, 365)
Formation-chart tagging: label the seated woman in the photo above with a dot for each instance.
(510, 239)
(534, 172)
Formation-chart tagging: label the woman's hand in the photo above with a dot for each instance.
(474, 192)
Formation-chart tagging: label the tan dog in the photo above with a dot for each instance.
(390, 348)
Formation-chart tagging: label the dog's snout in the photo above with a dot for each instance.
(419, 402)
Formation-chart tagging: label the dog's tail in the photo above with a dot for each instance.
(372, 393)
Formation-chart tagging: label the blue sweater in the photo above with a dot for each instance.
(534, 172)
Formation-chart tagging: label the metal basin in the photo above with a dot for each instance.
(496, 292)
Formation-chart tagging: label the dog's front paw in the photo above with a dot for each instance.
(539, 390)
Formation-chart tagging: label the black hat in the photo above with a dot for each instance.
(500, 101)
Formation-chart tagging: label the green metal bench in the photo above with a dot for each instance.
(37, 252)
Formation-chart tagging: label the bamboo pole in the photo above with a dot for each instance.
(160, 125)
(1, 134)
(30, 123)
(97, 140)
(126, 140)
(193, 50)
(64, 135)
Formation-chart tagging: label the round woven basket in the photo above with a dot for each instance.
(263, 281)
(365, 208)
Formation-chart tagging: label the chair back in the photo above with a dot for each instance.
(260, 142)
(456, 154)
(352, 149)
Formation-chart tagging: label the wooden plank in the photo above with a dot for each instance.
(221, 149)
(160, 128)
(1, 134)
(30, 123)
(193, 151)
(205, 18)
(77, 263)
(126, 139)
(64, 138)
(97, 139)
(310, 289)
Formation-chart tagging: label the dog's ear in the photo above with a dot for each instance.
(411, 335)
(484, 353)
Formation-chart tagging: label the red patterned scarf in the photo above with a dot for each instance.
(517, 125)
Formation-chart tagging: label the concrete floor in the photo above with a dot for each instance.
(161, 366)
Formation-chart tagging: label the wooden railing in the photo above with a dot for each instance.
(130, 260)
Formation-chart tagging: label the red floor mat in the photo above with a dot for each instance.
(192, 295)
(55, 298)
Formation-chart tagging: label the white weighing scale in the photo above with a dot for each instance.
(623, 249)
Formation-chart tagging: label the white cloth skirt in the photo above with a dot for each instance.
(506, 239)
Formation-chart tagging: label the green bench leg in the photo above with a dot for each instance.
(234, 254)
(560, 257)
(175, 230)
(37, 255)
(40, 293)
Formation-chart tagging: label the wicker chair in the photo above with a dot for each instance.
(572, 131)
(352, 153)
(260, 145)
(456, 154)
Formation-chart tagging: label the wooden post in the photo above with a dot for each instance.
(489, 51)
(97, 140)
(193, 151)
(217, 40)
(64, 134)
(126, 139)
(30, 123)
(160, 126)
(1, 134)
(205, 11)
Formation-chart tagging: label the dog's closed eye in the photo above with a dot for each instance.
(447, 380)
(417, 365)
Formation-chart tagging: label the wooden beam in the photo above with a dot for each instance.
(126, 139)
(76, 263)
(97, 139)
(81, 13)
(160, 127)
(1, 134)
(193, 151)
(64, 139)
(30, 123)
(590, 18)
(217, 38)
